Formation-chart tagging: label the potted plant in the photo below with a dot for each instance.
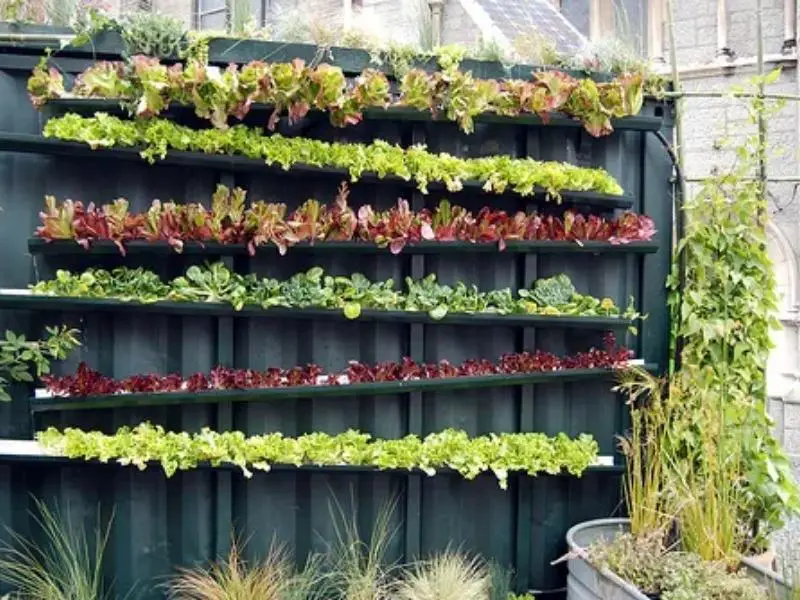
(682, 469)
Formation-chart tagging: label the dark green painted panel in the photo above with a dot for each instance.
(162, 523)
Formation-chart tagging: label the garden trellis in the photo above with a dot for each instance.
(564, 388)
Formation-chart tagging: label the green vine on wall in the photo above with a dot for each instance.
(723, 317)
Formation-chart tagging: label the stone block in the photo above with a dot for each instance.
(791, 441)
(791, 416)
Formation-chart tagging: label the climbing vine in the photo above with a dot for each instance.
(723, 313)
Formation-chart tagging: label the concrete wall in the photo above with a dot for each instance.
(457, 26)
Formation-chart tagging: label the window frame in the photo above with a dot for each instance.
(197, 15)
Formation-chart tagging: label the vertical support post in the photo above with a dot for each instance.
(655, 30)
(680, 188)
(416, 348)
(527, 274)
(762, 121)
(723, 51)
(789, 27)
(224, 494)
(436, 7)
(601, 18)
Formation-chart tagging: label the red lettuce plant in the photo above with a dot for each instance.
(231, 222)
(294, 88)
(87, 382)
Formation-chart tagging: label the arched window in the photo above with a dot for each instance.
(783, 366)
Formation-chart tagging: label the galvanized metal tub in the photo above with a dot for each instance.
(587, 582)
(584, 580)
(779, 589)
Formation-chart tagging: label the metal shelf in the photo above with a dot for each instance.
(59, 247)
(315, 391)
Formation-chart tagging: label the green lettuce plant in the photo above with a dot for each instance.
(498, 174)
(500, 454)
(314, 288)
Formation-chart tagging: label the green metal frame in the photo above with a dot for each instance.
(58, 247)
(166, 307)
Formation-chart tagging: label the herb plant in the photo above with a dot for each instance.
(498, 174)
(229, 221)
(500, 454)
(672, 574)
(87, 382)
(216, 283)
(148, 86)
(17, 355)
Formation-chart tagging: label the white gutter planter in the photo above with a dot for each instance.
(585, 581)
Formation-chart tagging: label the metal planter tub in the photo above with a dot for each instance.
(779, 589)
(587, 582)
(584, 580)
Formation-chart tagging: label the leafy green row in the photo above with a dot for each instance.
(497, 173)
(216, 283)
(531, 453)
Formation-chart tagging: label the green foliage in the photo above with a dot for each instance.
(18, 355)
(498, 173)
(152, 34)
(553, 291)
(67, 566)
(724, 315)
(672, 575)
(530, 453)
(217, 283)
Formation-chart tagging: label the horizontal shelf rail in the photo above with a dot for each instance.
(22, 142)
(58, 247)
(396, 113)
(30, 451)
(55, 403)
(24, 300)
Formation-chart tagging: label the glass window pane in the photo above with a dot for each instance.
(214, 21)
(205, 5)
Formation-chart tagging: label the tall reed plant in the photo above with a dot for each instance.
(645, 447)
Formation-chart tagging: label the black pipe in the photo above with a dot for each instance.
(680, 226)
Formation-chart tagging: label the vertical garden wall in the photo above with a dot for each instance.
(162, 522)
